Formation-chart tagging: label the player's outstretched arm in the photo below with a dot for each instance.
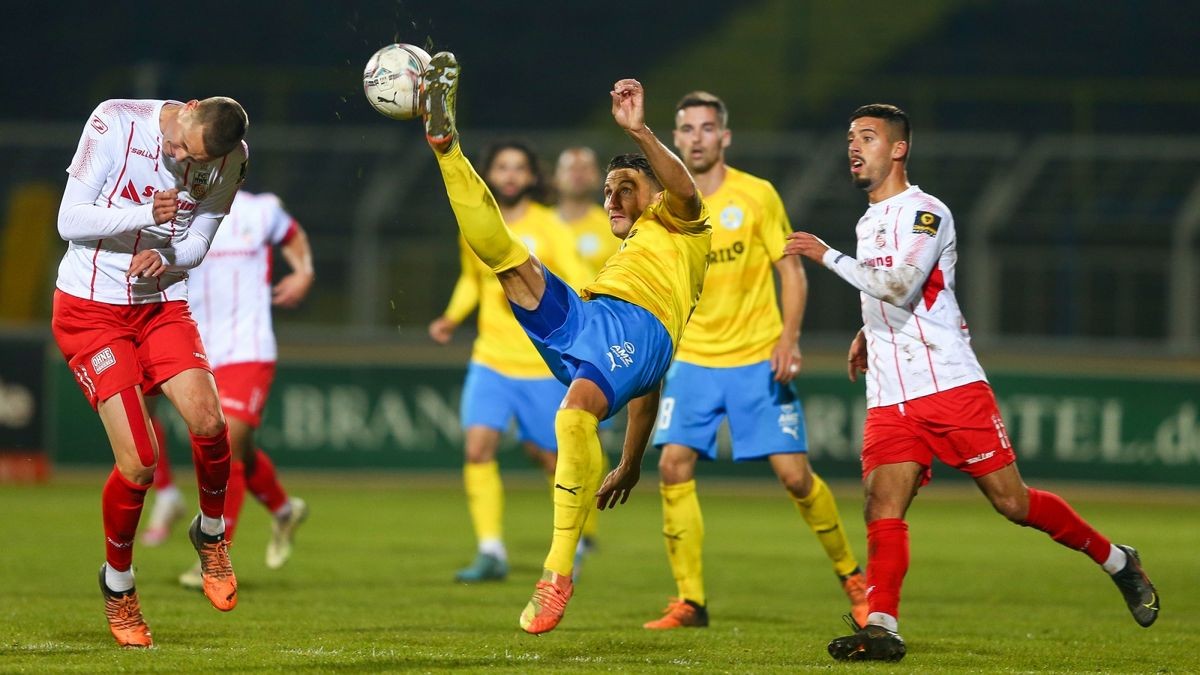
(620, 481)
(894, 285)
(629, 111)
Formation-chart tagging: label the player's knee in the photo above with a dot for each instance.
(136, 472)
(798, 484)
(1012, 507)
(207, 423)
(673, 469)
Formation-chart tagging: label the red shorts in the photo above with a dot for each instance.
(960, 426)
(243, 388)
(111, 348)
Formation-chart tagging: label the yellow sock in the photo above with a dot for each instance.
(485, 499)
(478, 215)
(590, 526)
(683, 531)
(821, 513)
(576, 478)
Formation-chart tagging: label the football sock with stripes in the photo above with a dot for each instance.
(683, 534)
(211, 456)
(1051, 514)
(235, 495)
(485, 501)
(576, 479)
(477, 214)
(121, 508)
(820, 511)
(263, 482)
(887, 563)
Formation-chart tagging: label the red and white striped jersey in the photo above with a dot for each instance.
(120, 157)
(917, 339)
(230, 292)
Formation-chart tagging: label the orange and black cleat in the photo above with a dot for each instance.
(549, 602)
(680, 613)
(124, 614)
(220, 584)
(855, 586)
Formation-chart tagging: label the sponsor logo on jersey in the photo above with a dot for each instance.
(103, 360)
(980, 458)
(200, 356)
(789, 420)
(98, 124)
(131, 193)
(732, 217)
(727, 254)
(620, 355)
(145, 153)
(926, 223)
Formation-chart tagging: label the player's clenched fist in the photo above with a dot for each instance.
(166, 204)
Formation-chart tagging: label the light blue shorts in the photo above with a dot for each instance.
(620, 346)
(492, 400)
(765, 417)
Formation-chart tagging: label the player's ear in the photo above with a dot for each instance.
(726, 139)
(900, 150)
(191, 105)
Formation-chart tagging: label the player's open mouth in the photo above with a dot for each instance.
(856, 165)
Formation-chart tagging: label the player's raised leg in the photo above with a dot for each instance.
(1048, 512)
(127, 424)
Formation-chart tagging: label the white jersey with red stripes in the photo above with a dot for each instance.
(120, 154)
(917, 338)
(230, 292)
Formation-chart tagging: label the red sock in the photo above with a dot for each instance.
(235, 494)
(162, 471)
(210, 454)
(264, 483)
(121, 506)
(887, 563)
(1051, 514)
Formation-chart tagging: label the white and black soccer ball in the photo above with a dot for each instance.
(392, 80)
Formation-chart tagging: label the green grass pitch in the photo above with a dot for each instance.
(370, 587)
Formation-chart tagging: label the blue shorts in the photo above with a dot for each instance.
(765, 417)
(620, 346)
(490, 399)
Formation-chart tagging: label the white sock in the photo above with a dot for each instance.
(284, 512)
(885, 620)
(118, 582)
(212, 526)
(494, 548)
(1116, 560)
(170, 493)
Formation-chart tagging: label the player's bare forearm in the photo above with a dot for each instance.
(793, 297)
(681, 193)
(293, 288)
(856, 359)
(619, 483)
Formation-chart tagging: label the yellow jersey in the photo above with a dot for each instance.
(659, 267)
(594, 239)
(737, 321)
(502, 344)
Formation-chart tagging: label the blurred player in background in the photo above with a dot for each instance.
(507, 378)
(927, 395)
(613, 342)
(148, 186)
(231, 297)
(577, 180)
(737, 360)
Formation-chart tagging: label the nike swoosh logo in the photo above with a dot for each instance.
(567, 489)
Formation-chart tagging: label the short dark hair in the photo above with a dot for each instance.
(887, 112)
(539, 191)
(705, 99)
(636, 161)
(224, 122)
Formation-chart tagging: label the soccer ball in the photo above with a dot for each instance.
(392, 81)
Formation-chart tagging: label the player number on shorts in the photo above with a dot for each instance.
(664, 413)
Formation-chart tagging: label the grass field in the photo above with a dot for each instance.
(370, 586)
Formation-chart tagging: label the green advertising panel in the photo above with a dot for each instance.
(363, 416)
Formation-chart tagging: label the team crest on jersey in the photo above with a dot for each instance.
(732, 217)
(926, 223)
(103, 360)
(200, 181)
(589, 244)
